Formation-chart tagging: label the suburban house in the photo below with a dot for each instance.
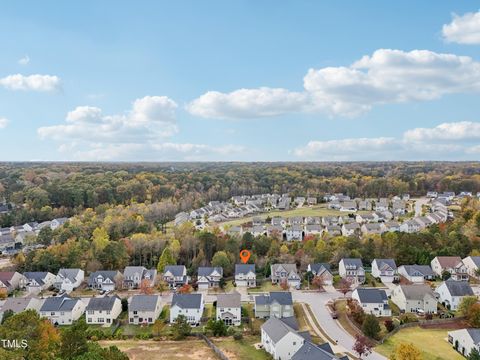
(465, 340)
(313, 229)
(62, 310)
(276, 304)
(472, 263)
(56, 223)
(189, 305)
(451, 292)
(105, 280)
(414, 298)
(350, 229)
(12, 280)
(352, 270)
(322, 270)
(311, 351)
(333, 230)
(103, 310)
(144, 309)
(69, 279)
(294, 232)
(372, 228)
(385, 269)
(452, 264)
(311, 200)
(133, 276)
(416, 273)
(39, 281)
(245, 275)
(229, 309)
(209, 277)
(392, 226)
(281, 273)
(280, 338)
(410, 226)
(373, 301)
(16, 305)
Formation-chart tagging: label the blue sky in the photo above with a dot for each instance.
(239, 80)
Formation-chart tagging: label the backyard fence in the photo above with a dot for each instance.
(212, 346)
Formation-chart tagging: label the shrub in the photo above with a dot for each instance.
(238, 336)
(389, 325)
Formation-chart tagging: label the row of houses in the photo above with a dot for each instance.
(397, 206)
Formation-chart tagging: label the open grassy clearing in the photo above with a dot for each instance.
(191, 349)
(304, 324)
(432, 343)
(242, 349)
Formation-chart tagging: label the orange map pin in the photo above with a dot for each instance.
(245, 255)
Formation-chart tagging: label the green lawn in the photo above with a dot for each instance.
(266, 286)
(242, 349)
(304, 324)
(432, 343)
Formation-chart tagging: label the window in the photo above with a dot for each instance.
(135, 312)
(52, 313)
(101, 320)
(131, 320)
(91, 312)
(109, 320)
(108, 312)
(150, 320)
(89, 320)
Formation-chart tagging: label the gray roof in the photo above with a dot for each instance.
(416, 292)
(16, 304)
(371, 296)
(281, 297)
(352, 262)
(229, 300)
(244, 268)
(59, 303)
(38, 276)
(187, 301)
(103, 303)
(474, 334)
(143, 303)
(310, 351)
(106, 274)
(459, 288)
(278, 328)
(70, 274)
(176, 270)
(317, 268)
(476, 260)
(424, 270)
(383, 263)
(207, 271)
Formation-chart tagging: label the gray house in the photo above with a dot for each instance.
(277, 304)
(175, 275)
(209, 277)
(285, 273)
(144, 309)
(105, 280)
(134, 275)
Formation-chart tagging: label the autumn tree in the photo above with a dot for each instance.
(146, 287)
(406, 351)
(221, 259)
(74, 340)
(344, 286)
(165, 259)
(362, 346)
(185, 289)
(100, 239)
(318, 282)
(284, 284)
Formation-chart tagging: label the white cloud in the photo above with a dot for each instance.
(445, 141)
(140, 134)
(464, 130)
(24, 60)
(31, 82)
(387, 76)
(3, 123)
(464, 29)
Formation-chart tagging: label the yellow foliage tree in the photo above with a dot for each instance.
(100, 239)
(406, 351)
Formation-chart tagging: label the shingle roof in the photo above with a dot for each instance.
(458, 288)
(176, 270)
(352, 262)
(371, 296)
(70, 274)
(207, 271)
(317, 267)
(59, 303)
(106, 274)
(474, 334)
(278, 328)
(388, 262)
(281, 297)
(244, 268)
(425, 270)
(103, 303)
(187, 301)
(143, 303)
(229, 300)
(310, 351)
(17, 304)
(37, 276)
(6, 276)
(416, 292)
(476, 260)
(448, 261)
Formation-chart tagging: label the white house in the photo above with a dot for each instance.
(56, 223)
(294, 232)
(39, 281)
(465, 340)
(385, 269)
(103, 310)
(229, 309)
(410, 226)
(280, 338)
(189, 305)
(105, 280)
(209, 277)
(245, 275)
(452, 264)
(414, 298)
(352, 270)
(451, 292)
(144, 309)
(350, 229)
(69, 279)
(416, 273)
(472, 263)
(373, 301)
(175, 275)
(62, 310)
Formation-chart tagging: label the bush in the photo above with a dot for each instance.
(238, 336)
(407, 318)
(231, 331)
(389, 325)
(370, 326)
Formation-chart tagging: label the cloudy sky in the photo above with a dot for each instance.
(239, 80)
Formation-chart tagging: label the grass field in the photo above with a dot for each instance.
(431, 342)
(191, 349)
(242, 349)
(304, 324)
(319, 210)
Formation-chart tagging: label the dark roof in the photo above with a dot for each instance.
(388, 262)
(106, 274)
(244, 268)
(278, 328)
(459, 288)
(59, 303)
(474, 334)
(70, 274)
(187, 301)
(176, 270)
(352, 262)
(370, 296)
(6, 276)
(281, 297)
(229, 300)
(425, 270)
(37, 276)
(310, 351)
(103, 303)
(318, 266)
(143, 303)
(207, 271)
(476, 260)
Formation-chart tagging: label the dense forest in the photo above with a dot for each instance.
(41, 191)
(117, 210)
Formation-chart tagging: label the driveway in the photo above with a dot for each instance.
(317, 302)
